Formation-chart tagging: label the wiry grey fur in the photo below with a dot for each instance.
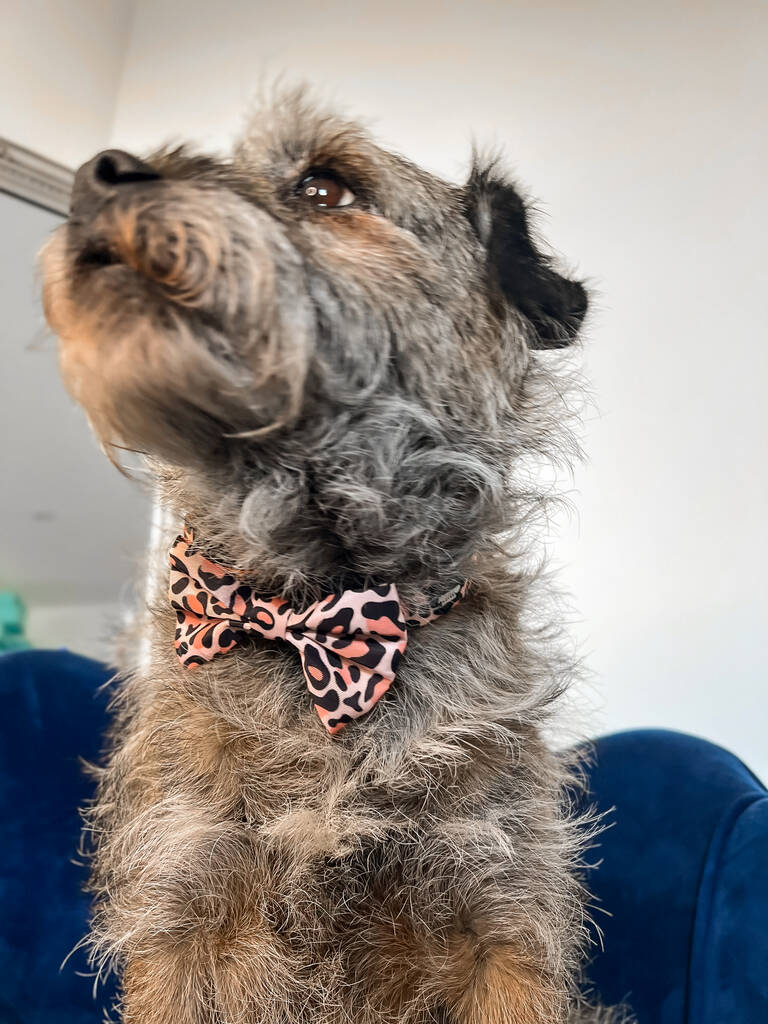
(333, 398)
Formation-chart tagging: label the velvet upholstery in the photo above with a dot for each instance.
(683, 869)
(52, 713)
(684, 876)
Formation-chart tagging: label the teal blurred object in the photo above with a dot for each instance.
(13, 615)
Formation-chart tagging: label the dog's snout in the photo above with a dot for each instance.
(104, 176)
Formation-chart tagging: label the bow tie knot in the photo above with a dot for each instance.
(350, 644)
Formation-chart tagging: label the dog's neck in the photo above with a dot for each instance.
(307, 567)
(305, 544)
(300, 588)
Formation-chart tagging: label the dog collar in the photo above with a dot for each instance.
(350, 643)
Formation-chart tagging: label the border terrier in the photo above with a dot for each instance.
(328, 797)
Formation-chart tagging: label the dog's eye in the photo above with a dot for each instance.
(326, 189)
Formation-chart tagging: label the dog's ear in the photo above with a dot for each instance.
(518, 272)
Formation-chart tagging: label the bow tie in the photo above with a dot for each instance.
(350, 643)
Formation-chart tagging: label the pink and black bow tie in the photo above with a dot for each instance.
(350, 643)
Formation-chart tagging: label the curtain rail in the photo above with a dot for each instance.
(35, 178)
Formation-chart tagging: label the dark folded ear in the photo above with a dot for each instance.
(518, 272)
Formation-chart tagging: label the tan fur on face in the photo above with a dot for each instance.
(167, 255)
(367, 249)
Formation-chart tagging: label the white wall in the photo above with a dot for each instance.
(641, 126)
(87, 628)
(60, 64)
(70, 526)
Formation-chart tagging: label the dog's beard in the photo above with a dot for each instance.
(170, 315)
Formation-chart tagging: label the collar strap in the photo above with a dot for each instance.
(350, 643)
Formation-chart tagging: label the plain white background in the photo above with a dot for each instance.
(640, 128)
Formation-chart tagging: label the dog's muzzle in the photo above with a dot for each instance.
(123, 213)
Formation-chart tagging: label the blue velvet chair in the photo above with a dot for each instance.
(682, 878)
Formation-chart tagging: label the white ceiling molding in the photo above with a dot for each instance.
(35, 178)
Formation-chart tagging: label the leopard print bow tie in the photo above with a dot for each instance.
(350, 643)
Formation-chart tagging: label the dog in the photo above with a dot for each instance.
(329, 796)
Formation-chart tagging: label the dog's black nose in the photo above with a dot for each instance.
(104, 175)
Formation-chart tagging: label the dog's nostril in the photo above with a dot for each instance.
(105, 170)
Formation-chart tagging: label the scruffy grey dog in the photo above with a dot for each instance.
(333, 360)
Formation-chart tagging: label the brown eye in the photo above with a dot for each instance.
(326, 190)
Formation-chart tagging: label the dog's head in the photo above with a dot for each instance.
(325, 346)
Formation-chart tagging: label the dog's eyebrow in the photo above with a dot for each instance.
(301, 139)
(342, 157)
